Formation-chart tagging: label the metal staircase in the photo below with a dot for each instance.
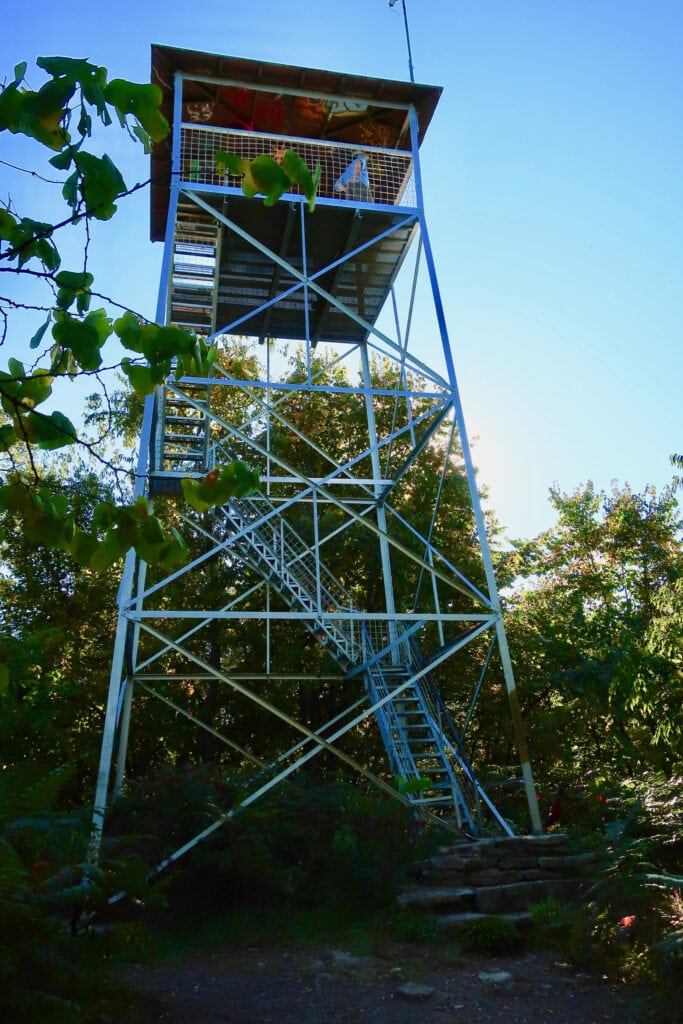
(267, 542)
(182, 436)
(194, 275)
(424, 750)
(425, 753)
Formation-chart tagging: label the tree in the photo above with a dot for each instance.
(588, 631)
(56, 633)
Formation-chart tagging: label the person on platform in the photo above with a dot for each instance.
(354, 181)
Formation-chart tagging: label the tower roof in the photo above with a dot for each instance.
(253, 95)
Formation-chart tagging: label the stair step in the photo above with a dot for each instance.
(428, 899)
(518, 896)
(502, 877)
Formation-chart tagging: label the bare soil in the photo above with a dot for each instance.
(403, 984)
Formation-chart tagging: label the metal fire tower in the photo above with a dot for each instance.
(344, 592)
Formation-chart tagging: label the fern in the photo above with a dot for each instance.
(489, 935)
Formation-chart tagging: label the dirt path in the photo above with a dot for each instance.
(405, 985)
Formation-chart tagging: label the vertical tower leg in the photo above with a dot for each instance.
(518, 725)
(111, 714)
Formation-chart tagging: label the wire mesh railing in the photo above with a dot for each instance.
(390, 171)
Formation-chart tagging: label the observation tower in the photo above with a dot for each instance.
(348, 607)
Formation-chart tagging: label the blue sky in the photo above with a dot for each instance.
(553, 175)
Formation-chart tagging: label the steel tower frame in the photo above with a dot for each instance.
(328, 283)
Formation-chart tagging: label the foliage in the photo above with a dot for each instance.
(42, 885)
(489, 934)
(46, 518)
(589, 632)
(234, 480)
(302, 844)
(53, 946)
(630, 922)
(56, 632)
(551, 916)
(59, 116)
(270, 177)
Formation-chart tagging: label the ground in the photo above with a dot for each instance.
(400, 984)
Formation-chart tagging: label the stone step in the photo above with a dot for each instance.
(522, 870)
(499, 877)
(514, 897)
(429, 899)
(505, 846)
(518, 896)
(475, 857)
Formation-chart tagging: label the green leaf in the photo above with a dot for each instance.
(8, 225)
(232, 481)
(92, 79)
(38, 336)
(104, 515)
(41, 114)
(128, 328)
(265, 176)
(23, 395)
(100, 183)
(108, 552)
(84, 123)
(11, 108)
(62, 161)
(70, 190)
(143, 102)
(230, 162)
(84, 338)
(74, 285)
(140, 377)
(174, 552)
(160, 344)
(8, 437)
(29, 238)
(299, 174)
(16, 368)
(62, 362)
(50, 432)
(83, 546)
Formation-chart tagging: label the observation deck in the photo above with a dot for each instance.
(240, 267)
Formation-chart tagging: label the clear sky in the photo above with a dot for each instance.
(553, 176)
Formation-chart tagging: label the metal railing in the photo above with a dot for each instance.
(390, 171)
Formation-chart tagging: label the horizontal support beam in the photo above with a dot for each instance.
(358, 616)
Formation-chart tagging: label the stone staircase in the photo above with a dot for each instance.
(501, 877)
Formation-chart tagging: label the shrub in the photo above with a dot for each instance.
(489, 935)
(47, 971)
(330, 842)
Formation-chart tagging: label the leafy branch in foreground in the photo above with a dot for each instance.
(60, 116)
(270, 177)
(47, 519)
